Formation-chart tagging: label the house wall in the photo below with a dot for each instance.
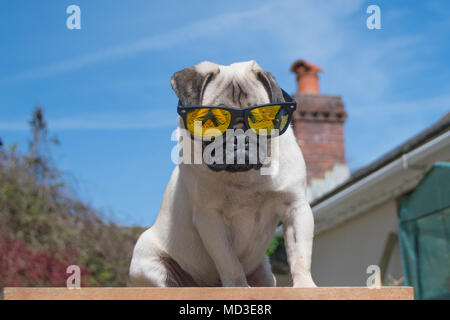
(341, 255)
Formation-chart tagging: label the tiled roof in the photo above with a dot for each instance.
(435, 130)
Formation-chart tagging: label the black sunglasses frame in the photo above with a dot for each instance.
(243, 113)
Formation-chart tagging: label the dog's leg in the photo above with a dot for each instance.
(148, 272)
(152, 267)
(262, 276)
(217, 242)
(160, 271)
(298, 229)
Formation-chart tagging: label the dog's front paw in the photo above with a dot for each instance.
(304, 282)
(305, 285)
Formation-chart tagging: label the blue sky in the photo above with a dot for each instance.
(106, 93)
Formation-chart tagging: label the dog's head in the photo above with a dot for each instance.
(237, 86)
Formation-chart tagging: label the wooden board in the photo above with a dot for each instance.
(323, 293)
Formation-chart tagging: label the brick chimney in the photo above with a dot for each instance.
(318, 126)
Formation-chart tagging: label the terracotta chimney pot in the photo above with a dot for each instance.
(307, 76)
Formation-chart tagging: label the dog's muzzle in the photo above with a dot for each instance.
(239, 153)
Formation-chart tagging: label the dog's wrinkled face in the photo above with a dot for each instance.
(239, 85)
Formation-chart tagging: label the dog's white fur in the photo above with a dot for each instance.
(213, 228)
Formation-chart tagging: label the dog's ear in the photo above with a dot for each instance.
(190, 83)
(268, 81)
(287, 97)
(271, 86)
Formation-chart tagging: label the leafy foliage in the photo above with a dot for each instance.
(274, 244)
(44, 227)
(20, 266)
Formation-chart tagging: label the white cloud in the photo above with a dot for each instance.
(385, 109)
(316, 30)
(146, 120)
(203, 28)
(311, 29)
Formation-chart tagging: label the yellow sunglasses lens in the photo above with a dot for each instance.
(208, 122)
(265, 119)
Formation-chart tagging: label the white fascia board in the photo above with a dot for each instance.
(395, 178)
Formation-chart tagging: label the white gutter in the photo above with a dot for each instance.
(390, 181)
(387, 182)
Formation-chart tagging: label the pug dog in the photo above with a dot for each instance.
(217, 219)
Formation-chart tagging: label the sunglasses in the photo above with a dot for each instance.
(206, 122)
